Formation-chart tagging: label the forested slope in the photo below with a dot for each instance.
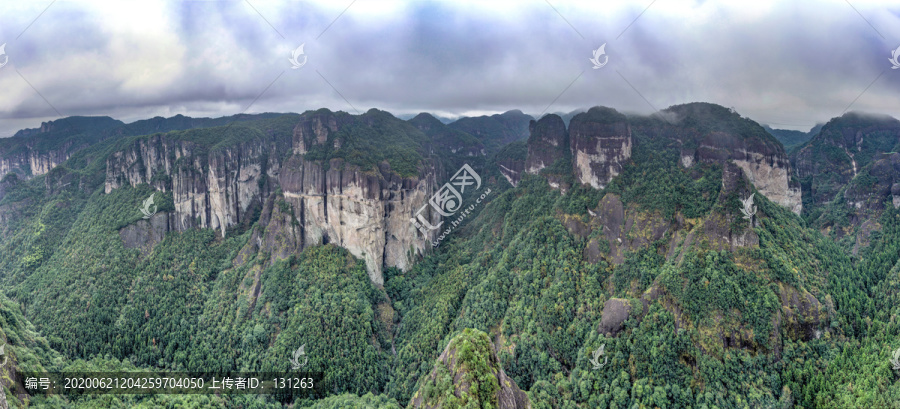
(694, 304)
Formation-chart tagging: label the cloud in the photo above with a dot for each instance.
(789, 64)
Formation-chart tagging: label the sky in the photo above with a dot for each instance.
(789, 64)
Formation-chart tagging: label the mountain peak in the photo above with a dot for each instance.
(476, 374)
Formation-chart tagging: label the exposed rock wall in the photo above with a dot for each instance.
(30, 162)
(369, 214)
(600, 140)
(764, 162)
(597, 144)
(885, 169)
(210, 189)
(366, 212)
(548, 143)
(841, 150)
(512, 170)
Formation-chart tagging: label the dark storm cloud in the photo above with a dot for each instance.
(790, 64)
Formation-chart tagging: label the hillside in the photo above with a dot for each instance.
(792, 139)
(495, 131)
(622, 232)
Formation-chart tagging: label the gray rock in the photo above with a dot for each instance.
(615, 312)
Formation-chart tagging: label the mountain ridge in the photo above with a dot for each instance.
(622, 232)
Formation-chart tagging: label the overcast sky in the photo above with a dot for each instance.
(790, 64)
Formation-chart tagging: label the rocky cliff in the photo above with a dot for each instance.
(367, 211)
(594, 148)
(765, 164)
(840, 151)
(31, 162)
(711, 133)
(548, 143)
(511, 161)
(600, 141)
(33, 152)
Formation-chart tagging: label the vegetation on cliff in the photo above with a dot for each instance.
(719, 311)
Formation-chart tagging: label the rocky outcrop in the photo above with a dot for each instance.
(764, 162)
(276, 235)
(30, 162)
(512, 170)
(709, 133)
(621, 230)
(366, 211)
(886, 170)
(717, 228)
(600, 141)
(315, 128)
(467, 360)
(864, 200)
(596, 147)
(615, 312)
(882, 183)
(840, 151)
(368, 214)
(511, 161)
(548, 143)
(33, 152)
(802, 316)
(210, 189)
(144, 234)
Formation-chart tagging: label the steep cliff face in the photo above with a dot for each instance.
(840, 151)
(600, 140)
(210, 189)
(549, 142)
(858, 208)
(33, 163)
(367, 211)
(33, 152)
(511, 161)
(764, 162)
(315, 128)
(599, 144)
(26, 161)
(714, 134)
(880, 184)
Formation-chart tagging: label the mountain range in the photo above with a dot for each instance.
(713, 261)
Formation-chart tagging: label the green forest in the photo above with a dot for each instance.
(795, 319)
